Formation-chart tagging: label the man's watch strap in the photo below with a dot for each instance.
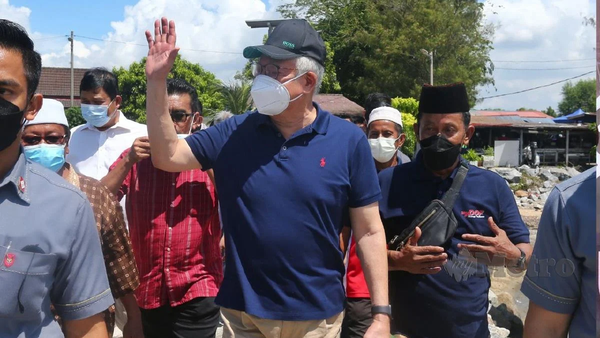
(381, 309)
(521, 260)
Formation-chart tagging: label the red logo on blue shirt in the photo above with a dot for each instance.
(9, 260)
(473, 214)
(323, 162)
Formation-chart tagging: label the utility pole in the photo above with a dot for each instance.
(72, 89)
(430, 54)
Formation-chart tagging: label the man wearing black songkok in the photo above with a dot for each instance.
(442, 291)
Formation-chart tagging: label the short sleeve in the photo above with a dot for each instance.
(510, 219)
(206, 144)
(553, 276)
(124, 189)
(364, 185)
(81, 287)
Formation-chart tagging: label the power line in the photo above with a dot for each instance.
(565, 68)
(543, 61)
(538, 87)
(145, 45)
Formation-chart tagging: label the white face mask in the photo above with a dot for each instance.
(270, 96)
(383, 148)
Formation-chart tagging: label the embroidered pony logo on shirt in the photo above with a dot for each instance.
(323, 162)
(9, 260)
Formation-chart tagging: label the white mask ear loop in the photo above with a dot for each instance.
(191, 123)
(292, 79)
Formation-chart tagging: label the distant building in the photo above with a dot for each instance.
(55, 83)
(338, 104)
(555, 141)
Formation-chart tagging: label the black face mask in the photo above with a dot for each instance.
(439, 153)
(11, 122)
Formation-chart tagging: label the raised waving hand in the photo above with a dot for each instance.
(161, 49)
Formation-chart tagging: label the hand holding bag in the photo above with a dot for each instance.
(437, 222)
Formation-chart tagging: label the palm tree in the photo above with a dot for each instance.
(237, 97)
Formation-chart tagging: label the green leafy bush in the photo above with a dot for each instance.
(471, 155)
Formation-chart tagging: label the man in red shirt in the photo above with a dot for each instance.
(175, 231)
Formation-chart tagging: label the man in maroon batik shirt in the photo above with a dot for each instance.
(175, 231)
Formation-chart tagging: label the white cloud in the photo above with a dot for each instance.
(528, 30)
(19, 15)
(212, 33)
(537, 30)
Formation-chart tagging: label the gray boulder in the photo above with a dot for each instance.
(548, 176)
(525, 169)
(511, 175)
(572, 171)
(557, 171)
(548, 184)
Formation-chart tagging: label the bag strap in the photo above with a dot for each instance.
(448, 200)
(452, 193)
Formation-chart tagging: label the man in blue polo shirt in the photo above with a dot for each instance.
(441, 291)
(49, 246)
(286, 176)
(561, 278)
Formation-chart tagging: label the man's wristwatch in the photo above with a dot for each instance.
(521, 260)
(382, 309)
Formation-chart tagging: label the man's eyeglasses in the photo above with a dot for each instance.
(50, 139)
(270, 70)
(180, 116)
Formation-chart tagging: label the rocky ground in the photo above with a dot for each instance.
(508, 305)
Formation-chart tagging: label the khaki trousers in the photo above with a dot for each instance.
(242, 325)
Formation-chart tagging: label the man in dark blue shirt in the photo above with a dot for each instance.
(441, 291)
(286, 176)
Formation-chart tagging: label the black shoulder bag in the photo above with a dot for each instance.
(437, 222)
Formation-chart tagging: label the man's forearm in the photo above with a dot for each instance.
(114, 179)
(542, 323)
(91, 327)
(371, 250)
(130, 305)
(160, 127)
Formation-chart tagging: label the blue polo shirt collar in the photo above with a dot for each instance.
(18, 177)
(319, 125)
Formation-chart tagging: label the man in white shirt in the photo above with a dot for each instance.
(97, 144)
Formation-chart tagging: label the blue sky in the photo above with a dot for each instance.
(533, 34)
(88, 18)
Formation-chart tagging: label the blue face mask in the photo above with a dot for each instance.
(51, 156)
(96, 115)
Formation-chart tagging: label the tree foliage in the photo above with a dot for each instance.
(74, 116)
(550, 111)
(132, 87)
(581, 95)
(409, 109)
(236, 97)
(377, 43)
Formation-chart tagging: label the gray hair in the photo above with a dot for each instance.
(305, 64)
(221, 116)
